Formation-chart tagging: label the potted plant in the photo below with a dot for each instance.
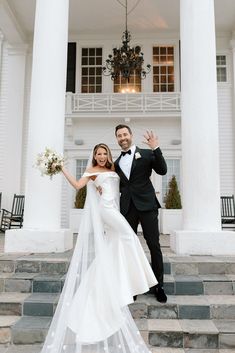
(171, 215)
(77, 211)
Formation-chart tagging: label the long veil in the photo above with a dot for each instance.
(89, 317)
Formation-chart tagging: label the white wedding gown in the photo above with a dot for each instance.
(107, 269)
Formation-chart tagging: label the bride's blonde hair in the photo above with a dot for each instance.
(109, 164)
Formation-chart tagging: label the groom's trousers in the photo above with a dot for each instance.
(149, 223)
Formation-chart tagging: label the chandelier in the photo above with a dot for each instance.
(126, 60)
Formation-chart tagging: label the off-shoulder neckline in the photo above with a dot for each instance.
(98, 173)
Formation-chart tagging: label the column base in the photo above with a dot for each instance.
(186, 242)
(38, 241)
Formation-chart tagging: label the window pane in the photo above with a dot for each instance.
(155, 50)
(173, 168)
(99, 52)
(91, 89)
(91, 61)
(98, 61)
(80, 167)
(155, 88)
(91, 51)
(162, 50)
(221, 68)
(84, 52)
(84, 61)
(84, 89)
(84, 71)
(163, 69)
(92, 58)
(91, 71)
(134, 83)
(163, 59)
(155, 59)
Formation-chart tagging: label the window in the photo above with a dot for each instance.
(91, 70)
(122, 86)
(173, 168)
(163, 69)
(80, 167)
(221, 66)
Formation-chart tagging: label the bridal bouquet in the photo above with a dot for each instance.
(49, 162)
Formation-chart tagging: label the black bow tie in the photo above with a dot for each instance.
(123, 153)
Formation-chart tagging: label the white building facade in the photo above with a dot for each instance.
(53, 93)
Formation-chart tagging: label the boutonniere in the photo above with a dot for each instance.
(137, 155)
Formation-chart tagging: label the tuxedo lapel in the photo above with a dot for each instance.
(119, 169)
(134, 162)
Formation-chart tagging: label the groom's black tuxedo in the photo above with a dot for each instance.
(139, 188)
(138, 202)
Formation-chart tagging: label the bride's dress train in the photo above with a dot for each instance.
(107, 269)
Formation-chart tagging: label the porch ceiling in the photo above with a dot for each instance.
(107, 16)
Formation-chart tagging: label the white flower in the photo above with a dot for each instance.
(49, 162)
(137, 155)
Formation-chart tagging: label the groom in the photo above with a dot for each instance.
(138, 202)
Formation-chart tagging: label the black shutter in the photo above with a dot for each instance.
(71, 68)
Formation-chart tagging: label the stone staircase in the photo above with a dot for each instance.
(199, 316)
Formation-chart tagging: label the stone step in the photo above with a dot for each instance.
(40, 304)
(184, 307)
(57, 264)
(186, 334)
(146, 307)
(36, 349)
(6, 323)
(189, 334)
(12, 303)
(174, 284)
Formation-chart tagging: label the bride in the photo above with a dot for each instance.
(107, 270)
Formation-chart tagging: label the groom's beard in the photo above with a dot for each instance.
(125, 144)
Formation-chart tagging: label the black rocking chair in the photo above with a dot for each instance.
(14, 218)
(227, 212)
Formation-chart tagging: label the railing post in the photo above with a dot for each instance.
(68, 103)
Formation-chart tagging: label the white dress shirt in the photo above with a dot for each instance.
(125, 162)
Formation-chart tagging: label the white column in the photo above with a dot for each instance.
(201, 232)
(14, 125)
(41, 232)
(232, 44)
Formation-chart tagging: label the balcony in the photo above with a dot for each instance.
(87, 104)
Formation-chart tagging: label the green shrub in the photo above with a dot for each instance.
(80, 198)
(172, 199)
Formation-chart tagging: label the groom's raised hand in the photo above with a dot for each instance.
(151, 140)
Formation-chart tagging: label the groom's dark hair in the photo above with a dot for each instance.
(121, 126)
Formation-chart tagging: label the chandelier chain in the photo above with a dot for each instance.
(132, 9)
(126, 60)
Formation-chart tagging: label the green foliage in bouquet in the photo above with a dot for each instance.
(172, 198)
(80, 198)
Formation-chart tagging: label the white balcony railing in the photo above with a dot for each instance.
(119, 102)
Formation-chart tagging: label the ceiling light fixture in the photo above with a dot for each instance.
(126, 60)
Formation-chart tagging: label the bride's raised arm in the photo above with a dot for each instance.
(77, 184)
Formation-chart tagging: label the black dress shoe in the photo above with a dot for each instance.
(160, 295)
(135, 297)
